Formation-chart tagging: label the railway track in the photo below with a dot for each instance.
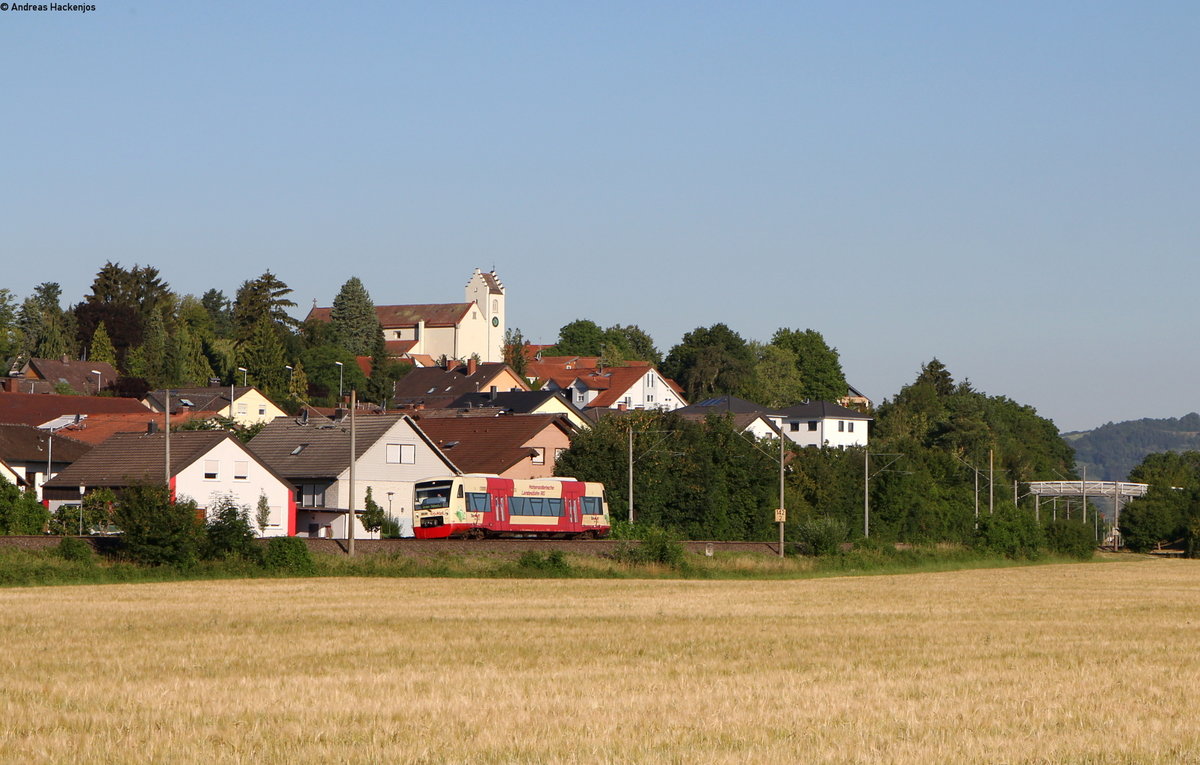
(506, 547)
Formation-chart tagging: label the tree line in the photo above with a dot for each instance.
(157, 338)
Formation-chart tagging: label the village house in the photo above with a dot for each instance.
(34, 455)
(53, 410)
(86, 378)
(824, 423)
(510, 445)
(474, 327)
(748, 417)
(438, 387)
(206, 466)
(391, 454)
(524, 402)
(636, 385)
(249, 406)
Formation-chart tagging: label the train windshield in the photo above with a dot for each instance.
(433, 494)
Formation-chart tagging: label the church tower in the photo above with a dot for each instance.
(486, 291)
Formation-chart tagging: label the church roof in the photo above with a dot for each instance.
(392, 316)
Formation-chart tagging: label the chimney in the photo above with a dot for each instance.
(472, 366)
(621, 407)
(152, 427)
(492, 393)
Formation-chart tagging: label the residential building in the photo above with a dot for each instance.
(747, 416)
(524, 402)
(35, 455)
(206, 466)
(87, 378)
(40, 409)
(636, 386)
(510, 446)
(249, 405)
(436, 387)
(474, 327)
(823, 423)
(390, 455)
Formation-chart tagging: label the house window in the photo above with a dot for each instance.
(211, 470)
(812, 426)
(795, 426)
(539, 457)
(841, 426)
(241, 470)
(649, 381)
(558, 453)
(241, 408)
(850, 427)
(262, 410)
(311, 495)
(401, 454)
(649, 398)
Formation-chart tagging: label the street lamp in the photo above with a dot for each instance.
(99, 380)
(245, 374)
(341, 368)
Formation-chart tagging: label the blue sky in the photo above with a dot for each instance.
(1010, 187)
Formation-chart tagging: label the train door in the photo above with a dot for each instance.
(573, 506)
(500, 489)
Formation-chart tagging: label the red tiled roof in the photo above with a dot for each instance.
(392, 316)
(489, 444)
(38, 408)
(98, 428)
(619, 380)
(435, 386)
(398, 347)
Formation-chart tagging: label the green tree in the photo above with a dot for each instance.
(710, 361)
(101, 346)
(266, 297)
(220, 312)
(262, 354)
(372, 515)
(298, 383)
(819, 365)
(514, 350)
(262, 514)
(155, 530)
(20, 512)
(776, 381)
(227, 531)
(322, 371)
(10, 335)
(633, 343)
(581, 337)
(353, 321)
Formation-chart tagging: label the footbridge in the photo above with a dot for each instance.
(1120, 492)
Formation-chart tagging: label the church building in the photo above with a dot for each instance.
(454, 330)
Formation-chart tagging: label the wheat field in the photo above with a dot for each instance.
(1094, 663)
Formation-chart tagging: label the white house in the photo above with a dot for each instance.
(822, 423)
(391, 454)
(636, 386)
(206, 466)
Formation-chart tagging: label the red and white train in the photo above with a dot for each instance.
(478, 506)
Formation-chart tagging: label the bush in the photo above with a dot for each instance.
(75, 550)
(228, 531)
(20, 512)
(657, 546)
(821, 536)
(390, 528)
(553, 562)
(157, 531)
(1010, 532)
(1071, 538)
(290, 555)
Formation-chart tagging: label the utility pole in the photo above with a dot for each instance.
(782, 506)
(350, 521)
(631, 472)
(167, 450)
(866, 492)
(991, 482)
(1083, 491)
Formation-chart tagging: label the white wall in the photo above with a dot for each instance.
(828, 432)
(191, 483)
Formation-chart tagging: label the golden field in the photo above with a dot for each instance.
(1090, 663)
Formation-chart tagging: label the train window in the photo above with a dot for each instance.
(554, 507)
(537, 506)
(477, 502)
(516, 506)
(460, 491)
(591, 506)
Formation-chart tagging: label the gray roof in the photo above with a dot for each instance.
(128, 458)
(822, 410)
(211, 398)
(518, 401)
(730, 404)
(25, 443)
(321, 449)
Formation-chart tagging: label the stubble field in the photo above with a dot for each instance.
(1077, 663)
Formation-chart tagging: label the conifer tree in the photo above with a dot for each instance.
(101, 347)
(298, 383)
(353, 320)
(263, 356)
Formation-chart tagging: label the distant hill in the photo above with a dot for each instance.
(1110, 451)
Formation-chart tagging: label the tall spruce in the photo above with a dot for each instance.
(263, 355)
(101, 346)
(353, 321)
